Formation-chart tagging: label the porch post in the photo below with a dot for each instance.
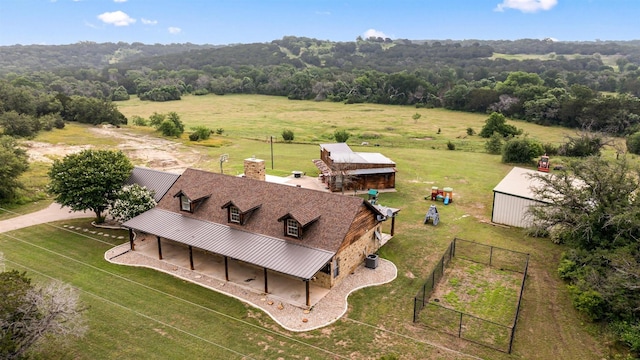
(393, 224)
(159, 248)
(307, 291)
(266, 288)
(226, 268)
(191, 257)
(131, 239)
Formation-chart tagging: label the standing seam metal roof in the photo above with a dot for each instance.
(264, 251)
(158, 181)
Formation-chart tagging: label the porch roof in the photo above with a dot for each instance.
(278, 255)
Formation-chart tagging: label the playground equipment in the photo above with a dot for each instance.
(432, 215)
(446, 194)
(373, 196)
(543, 163)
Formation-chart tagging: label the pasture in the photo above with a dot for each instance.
(140, 313)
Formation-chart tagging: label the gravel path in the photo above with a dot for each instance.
(293, 318)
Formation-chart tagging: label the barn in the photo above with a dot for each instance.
(513, 196)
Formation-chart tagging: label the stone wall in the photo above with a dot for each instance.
(254, 169)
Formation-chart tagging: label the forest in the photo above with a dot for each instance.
(591, 85)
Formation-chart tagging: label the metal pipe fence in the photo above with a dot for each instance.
(463, 325)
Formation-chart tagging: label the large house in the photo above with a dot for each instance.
(296, 232)
(344, 169)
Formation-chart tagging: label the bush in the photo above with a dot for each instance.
(341, 136)
(521, 151)
(139, 121)
(219, 131)
(451, 146)
(168, 128)
(633, 143)
(628, 333)
(287, 135)
(586, 144)
(588, 301)
(494, 144)
(470, 131)
(156, 119)
(200, 133)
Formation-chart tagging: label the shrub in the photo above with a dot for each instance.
(341, 136)
(200, 133)
(521, 151)
(287, 135)
(588, 301)
(633, 143)
(139, 121)
(494, 144)
(219, 131)
(168, 128)
(451, 146)
(156, 119)
(470, 131)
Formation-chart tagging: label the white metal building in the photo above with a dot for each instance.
(513, 196)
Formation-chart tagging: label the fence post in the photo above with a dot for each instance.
(490, 255)
(454, 247)
(460, 326)
(443, 266)
(424, 293)
(415, 309)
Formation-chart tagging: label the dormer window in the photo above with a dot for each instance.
(234, 214)
(185, 203)
(292, 228)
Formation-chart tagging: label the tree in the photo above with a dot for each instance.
(13, 162)
(593, 207)
(498, 123)
(30, 314)
(131, 201)
(200, 133)
(89, 180)
(341, 135)
(415, 117)
(93, 111)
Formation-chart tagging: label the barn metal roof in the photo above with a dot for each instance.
(158, 181)
(519, 182)
(274, 254)
(342, 153)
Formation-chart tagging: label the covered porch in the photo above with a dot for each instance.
(278, 286)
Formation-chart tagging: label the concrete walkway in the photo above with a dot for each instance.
(54, 212)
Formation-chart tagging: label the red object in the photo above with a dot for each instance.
(543, 163)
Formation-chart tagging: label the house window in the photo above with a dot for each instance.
(234, 214)
(185, 203)
(292, 228)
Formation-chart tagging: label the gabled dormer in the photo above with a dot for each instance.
(298, 221)
(188, 203)
(239, 213)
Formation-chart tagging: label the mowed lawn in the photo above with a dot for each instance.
(141, 313)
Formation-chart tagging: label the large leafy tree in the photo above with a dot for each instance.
(594, 208)
(30, 313)
(13, 162)
(89, 180)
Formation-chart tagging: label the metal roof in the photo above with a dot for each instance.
(158, 181)
(274, 254)
(370, 171)
(519, 182)
(375, 158)
(342, 153)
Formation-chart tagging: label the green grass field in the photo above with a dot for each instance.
(140, 313)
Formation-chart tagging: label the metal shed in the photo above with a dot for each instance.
(513, 196)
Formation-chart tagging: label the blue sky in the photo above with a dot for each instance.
(221, 22)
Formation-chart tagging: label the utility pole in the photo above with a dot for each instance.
(271, 152)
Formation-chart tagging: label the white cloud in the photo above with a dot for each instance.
(119, 1)
(116, 18)
(174, 30)
(374, 33)
(148, 22)
(527, 6)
